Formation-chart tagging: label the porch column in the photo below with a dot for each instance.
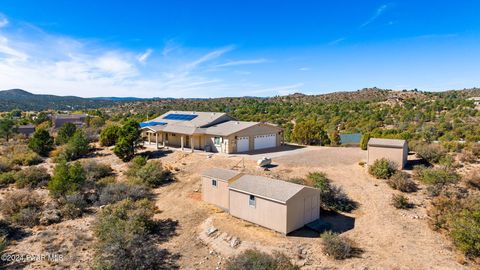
(149, 138)
(163, 139)
(191, 142)
(156, 139)
(181, 142)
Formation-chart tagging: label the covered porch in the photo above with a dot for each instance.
(161, 139)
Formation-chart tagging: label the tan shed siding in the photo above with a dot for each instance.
(269, 214)
(251, 132)
(218, 196)
(296, 209)
(397, 155)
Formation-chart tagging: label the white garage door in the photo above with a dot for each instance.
(265, 141)
(243, 144)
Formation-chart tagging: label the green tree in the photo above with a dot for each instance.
(40, 118)
(65, 132)
(77, 147)
(67, 178)
(309, 132)
(128, 140)
(334, 138)
(7, 128)
(16, 113)
(41, 142)
(109, 135)
(364, 141)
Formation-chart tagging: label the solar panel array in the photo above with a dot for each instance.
(148, 124)
(177, 116)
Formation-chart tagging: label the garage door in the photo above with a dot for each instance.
(265, 141)
(243, 144)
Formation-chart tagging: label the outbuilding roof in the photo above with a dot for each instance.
(268, 188)
(391, 143)
(220, 174)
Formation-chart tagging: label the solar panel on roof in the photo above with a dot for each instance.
(148, 124)
(177, 116)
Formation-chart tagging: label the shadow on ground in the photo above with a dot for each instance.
(329, 221)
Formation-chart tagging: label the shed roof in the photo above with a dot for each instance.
(391, 143)
(220, 174)
(268, 188)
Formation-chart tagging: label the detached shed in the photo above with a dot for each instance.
(215, 186)
(391, 149)
(274, 204)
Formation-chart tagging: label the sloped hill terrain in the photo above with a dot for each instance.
(23, 100)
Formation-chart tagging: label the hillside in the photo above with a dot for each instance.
(21, 99)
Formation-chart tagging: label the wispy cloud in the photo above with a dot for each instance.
(378, 12)
(243, 62)
(144, 56)
(304, 69)
(336, 41)
(170, 46)
(209, 56)
(3, 20)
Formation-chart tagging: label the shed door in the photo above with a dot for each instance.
(243, 144)
(265, 141)
(310, 210)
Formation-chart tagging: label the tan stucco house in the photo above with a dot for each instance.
(391, 149)
(210, 131)
(278, 205)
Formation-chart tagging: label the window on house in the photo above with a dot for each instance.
(217, 140)
(252, 201)
(214, 183)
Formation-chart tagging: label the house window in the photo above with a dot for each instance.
(251, 201)
(214, 183)
(217, 140)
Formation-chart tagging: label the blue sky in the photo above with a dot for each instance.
(236, 48)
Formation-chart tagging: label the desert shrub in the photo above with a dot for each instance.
(442, 210)
(105, 181)
(336, 246)
(401, 181)
(382, 168)
(332, 197)
(432, 153)
(32, 177)
(109, 135)
(472, 179)
(433, 176)
(123, 231)
(475, 149)
(73, 205)
(67, 178)
(467, 157)
(252, 259)
(434, 190)
(95, 171)
(465, 231)
(399, 201)
(5, 165)
(113, 193)
(364, 141)
(153, 174)
(65, 132)
(41, 142)
(7, 178)
(299, 181)
(21, 155)
(3, 245)
(78, 146)
(22, 208)
(136, 164)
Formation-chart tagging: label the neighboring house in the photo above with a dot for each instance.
(278, 205)
(391, 149)
(26, 130)
(59, 119)
(476, 100)
(210, 131)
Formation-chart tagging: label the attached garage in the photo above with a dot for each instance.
(391, 149)
(243, 144)
(265, 141)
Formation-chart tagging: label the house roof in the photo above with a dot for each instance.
(268, 188)
(229, 127)
(70, 116)
(220, 174)
(201, 118)
(391, 143)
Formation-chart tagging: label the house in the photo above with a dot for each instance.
(476, 100)
(59, 119)
(211, 132)
(391, 149)
(278, 205)
(26, 130)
